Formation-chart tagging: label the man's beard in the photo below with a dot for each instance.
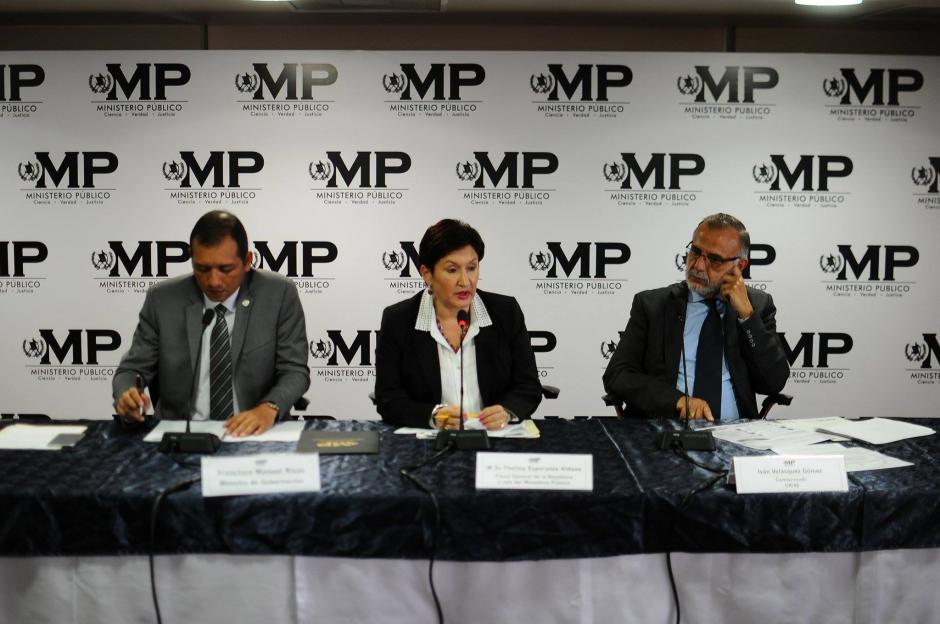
(709, 290)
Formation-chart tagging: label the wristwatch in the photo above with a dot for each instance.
(273, 406)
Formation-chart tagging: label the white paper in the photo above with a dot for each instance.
(856, 459)
(814, 425)
(35, 437)
(282, 432)
(766, 434)
(534, 471)
(790, 473)
(265, 473)
(522, 429)
(526, 429)
(879, 430)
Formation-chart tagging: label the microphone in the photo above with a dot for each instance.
(462, 438)
(685, 438)
(192, 442)
(463, 322)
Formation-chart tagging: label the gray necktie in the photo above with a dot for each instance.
(220, 369)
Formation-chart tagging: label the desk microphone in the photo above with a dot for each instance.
(462, 438)
(173, 442)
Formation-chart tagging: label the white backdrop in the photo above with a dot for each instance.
(584, 172)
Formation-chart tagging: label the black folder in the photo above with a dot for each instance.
(339, 442)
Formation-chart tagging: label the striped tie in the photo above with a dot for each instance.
(220, 369)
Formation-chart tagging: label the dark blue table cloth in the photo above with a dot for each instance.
(96, 499)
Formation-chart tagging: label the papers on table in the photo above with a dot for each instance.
(524, 429)
(281, 432)
(856, 459)
(806, 436)
(814, 425)
(878, 430)
(767, 434)
(40, 437)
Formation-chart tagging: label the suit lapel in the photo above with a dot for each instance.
(243, 306)
(194, 330)
(673, 325)
(486, 347)
(426, 355)
(730, 330)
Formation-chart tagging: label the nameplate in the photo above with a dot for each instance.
(790, 473)
(339, 442)
(260, 474)
(534, 471)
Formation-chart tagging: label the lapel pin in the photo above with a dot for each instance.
(246, 303)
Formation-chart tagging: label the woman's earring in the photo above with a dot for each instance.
(430, 290)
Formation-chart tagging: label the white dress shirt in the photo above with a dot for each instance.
(201, 404)
(450, 361)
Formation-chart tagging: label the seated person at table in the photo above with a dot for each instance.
(253, 366)
(417, 365)
(729, 331)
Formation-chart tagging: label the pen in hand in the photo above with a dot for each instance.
(139, 384)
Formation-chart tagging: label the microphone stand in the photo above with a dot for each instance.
(685, 438)
(205, 443)
(463, 439)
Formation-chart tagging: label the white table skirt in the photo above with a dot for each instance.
(899, 586)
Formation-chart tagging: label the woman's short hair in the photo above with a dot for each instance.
(447, 236)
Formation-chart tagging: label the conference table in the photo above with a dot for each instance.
(75, 535)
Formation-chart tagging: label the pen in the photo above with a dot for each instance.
(139, 384)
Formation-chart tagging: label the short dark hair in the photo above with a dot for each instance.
(214, 226)
(444, 237)
(721, 220)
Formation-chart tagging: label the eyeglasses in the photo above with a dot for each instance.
(715, 261)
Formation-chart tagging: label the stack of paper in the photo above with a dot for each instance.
(856, 459)
(877, 430)
(525, 429)
(281, 432)
(803, 437)
(40, 437)
(766, 434)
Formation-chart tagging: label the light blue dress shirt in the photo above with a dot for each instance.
(695, 312)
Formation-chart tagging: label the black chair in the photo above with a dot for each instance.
(622, 410)
(301, 404)
(25, 418)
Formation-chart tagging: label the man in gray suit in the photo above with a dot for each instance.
(253, 364)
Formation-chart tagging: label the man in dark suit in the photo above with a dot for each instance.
(253, 365)
(728, 329)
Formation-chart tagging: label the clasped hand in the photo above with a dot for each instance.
(493, 417)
